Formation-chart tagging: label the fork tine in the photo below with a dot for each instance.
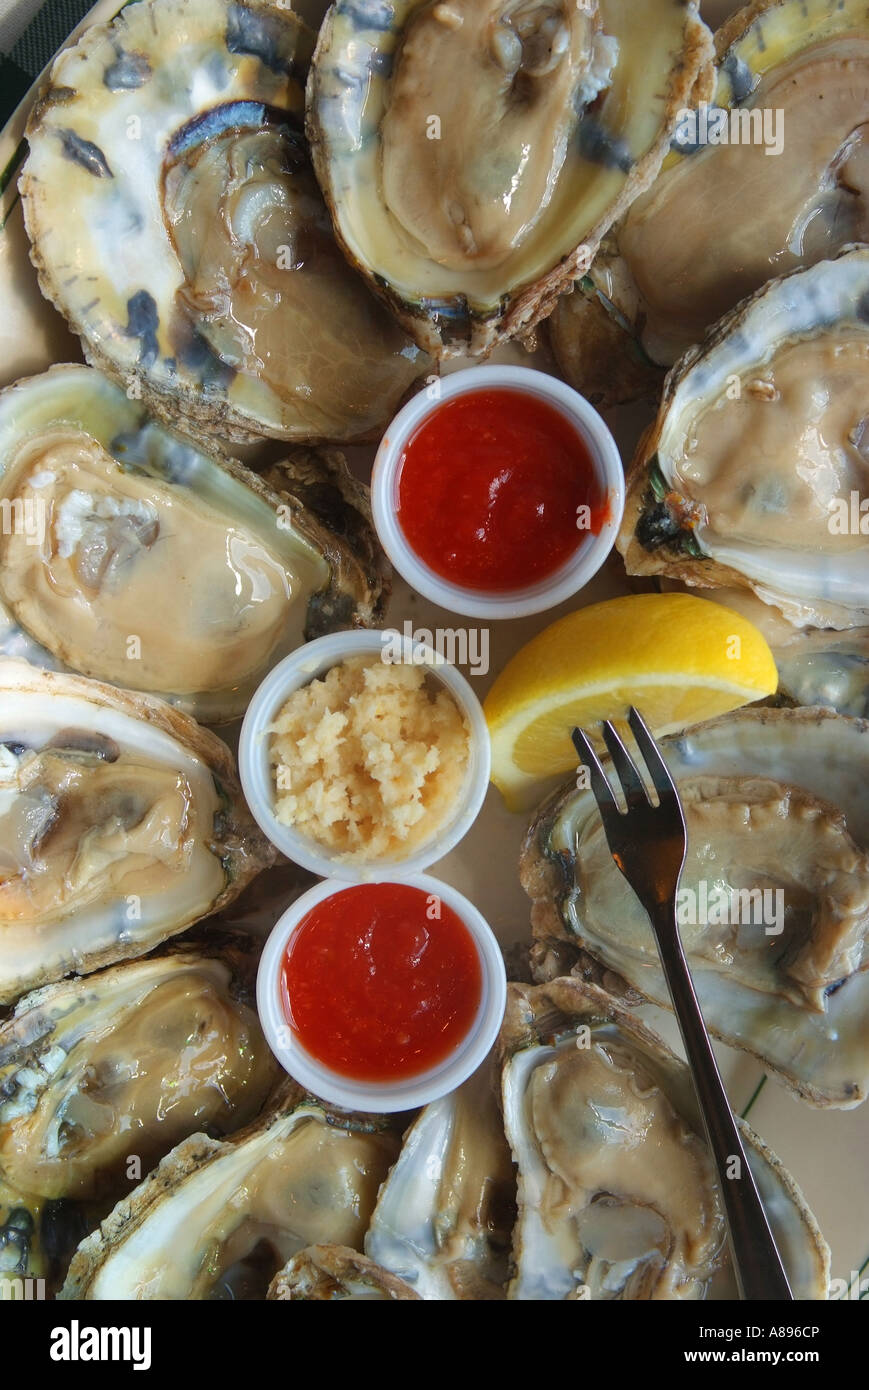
(658, 770)
(599, 784)
(632, 782)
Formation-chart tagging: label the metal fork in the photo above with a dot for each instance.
(648, 844)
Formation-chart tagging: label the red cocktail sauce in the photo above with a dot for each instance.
(489, 490)
(376, 986)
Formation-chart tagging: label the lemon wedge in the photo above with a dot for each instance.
(679, 659)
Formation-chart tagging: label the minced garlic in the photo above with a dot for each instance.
(369, 760)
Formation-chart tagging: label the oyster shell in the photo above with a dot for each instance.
(333, 1272)
(775, 804)
(127, 1062)
(121, 823)
(755, 466)
(219, 1219)
(111, 523)
(775, 171)
(618, 1195)
(596, 350)
(473, 153)
(177, 224)
(444, 1215)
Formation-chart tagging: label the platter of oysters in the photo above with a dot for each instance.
(529, 340)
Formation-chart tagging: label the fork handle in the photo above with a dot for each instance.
(757, 1264)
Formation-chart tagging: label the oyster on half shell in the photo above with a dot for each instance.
(112, 525)
(474, 152)
(756, 471)
(618, 1196)
(220, 1219)
(774, 173)
(129, 1061)
(805, 63)
(178, 226)
(774, 897)
(443, 1218)
(334, 1272)
(121, 823)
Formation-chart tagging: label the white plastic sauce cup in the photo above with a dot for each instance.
(592, 550)
(257, 776)
(382, 1096)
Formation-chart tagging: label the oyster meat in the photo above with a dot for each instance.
(474, 152)
(773, 171)
(176, 222)
(444, 1215)
(111, 523)
(618, 1197)
(774, 899)
(124, 1064)
(121, 823)
(220, 1219)
(755, 472)
(334, 1272)
(827, 668)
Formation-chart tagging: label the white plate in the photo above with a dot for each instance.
(824, 1150)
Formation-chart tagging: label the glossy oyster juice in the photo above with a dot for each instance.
(618, 1197)
(220, 1219)
(333, 1273)
(177, 224)
(473, 153)
(776, 172)
(755, 471)
(443, 1218)
(127, 1062)
(121, 823)
(134, 556)
(775, 892)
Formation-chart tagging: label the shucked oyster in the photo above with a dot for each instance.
(774, 899)
(756, 472)
(618, 1195)
(121, 823)
(177, 224)
(131, 555)
(444, 1215)
(101, 1076)
(218, 1220)
(772, 173)
(124, 1064)
(474, 152)
(329, 1273)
